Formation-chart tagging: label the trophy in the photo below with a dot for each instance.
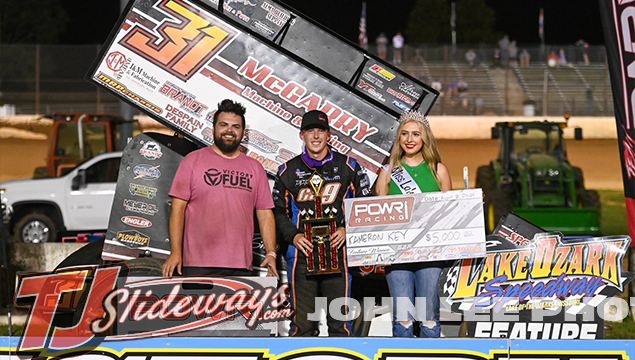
(322, 259)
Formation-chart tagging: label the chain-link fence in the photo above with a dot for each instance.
(50, 78)
(473, 80)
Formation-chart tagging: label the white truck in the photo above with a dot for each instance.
(41, 210)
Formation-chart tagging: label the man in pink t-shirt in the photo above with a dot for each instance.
(214, 194)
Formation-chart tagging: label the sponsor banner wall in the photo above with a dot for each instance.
(176, 61)
(618, 19)
(344, 348)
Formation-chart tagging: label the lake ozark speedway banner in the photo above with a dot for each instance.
(341, 348)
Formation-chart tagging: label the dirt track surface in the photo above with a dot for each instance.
(599, 159)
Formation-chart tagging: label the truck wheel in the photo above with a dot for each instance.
(35, 228)
(590, 199)
(497, 206)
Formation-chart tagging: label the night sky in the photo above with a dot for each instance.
(565, 21)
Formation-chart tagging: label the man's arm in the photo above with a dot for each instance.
(382, 184)
(361, 182)
(444, 177)
(286, 228)
(267, 225)
(289, 233)
(361, 185)
(177, 224)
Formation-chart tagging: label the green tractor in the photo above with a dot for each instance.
(533, 179)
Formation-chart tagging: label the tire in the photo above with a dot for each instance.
(87, 255)
(589, 199)
(35, 228)
(578, 177)
(498, 204)
(139, 267)
(144, 267)
(485, 178)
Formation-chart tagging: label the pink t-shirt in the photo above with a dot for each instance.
(219, 219)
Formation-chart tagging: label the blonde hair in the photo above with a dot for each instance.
(429, 150)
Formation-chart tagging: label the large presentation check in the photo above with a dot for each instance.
(432, 226)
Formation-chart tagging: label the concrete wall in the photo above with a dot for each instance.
(27, 258)
(478, 127)
(39, 257)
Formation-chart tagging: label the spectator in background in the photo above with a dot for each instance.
(453, 89)
(470, 57)
(496, 58)
(479, 104)
(503, 45)
(552, 59)
(583, 51)
(462, 89)
(437, 85)
(524, 58)
(397, 46)
(382, 43)
(462, 86)
(513, 53)
(562, 58)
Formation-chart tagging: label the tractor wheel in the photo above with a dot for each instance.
(497, 205)
(590, 199)
(578, 178)
(485, 178)
(496, 202)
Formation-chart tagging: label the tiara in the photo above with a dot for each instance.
(416, 116)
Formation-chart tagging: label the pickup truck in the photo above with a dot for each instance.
(41, 210)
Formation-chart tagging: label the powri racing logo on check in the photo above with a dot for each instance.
(392, 211)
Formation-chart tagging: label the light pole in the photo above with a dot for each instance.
(453, 26)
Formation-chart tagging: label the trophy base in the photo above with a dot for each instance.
(323, 259)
